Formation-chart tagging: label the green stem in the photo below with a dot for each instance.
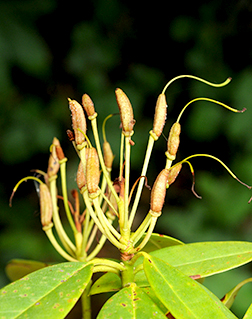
(198, 79)
(55, 244)
(128, 274)
(92, 236)
(64, 193)
(141, 229)
(209, 100)
(141, 182)
(85, 232)
(99, 151)
(86, 302)
(110, 204)
(105, 223)
(148, 234)
(121, 156)
(216, 159)
(126, 230)
(103, 228)
(98, 247)
(69, 246)
(102, 262)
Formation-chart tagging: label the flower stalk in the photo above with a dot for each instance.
(106, 201)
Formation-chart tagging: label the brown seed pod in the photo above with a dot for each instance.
(53, 163)
(46, 209)
(92, 170)
(158, 191)
(108, 155)
(173, 139)
(88, 105)
(173, 173)
(126, 111)
(160, 115)
(59, 152)
(78, 121)
(80, 177)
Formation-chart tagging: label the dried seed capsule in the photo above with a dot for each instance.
(88, 105)
(126, 111)
(53, 163)
(173, 173)
(80, 177)
(158, 191)
(173, 139)
(78, 121)
(46, 209)
(92, 171)
(59, 152)
(160, 115)
(108, 155)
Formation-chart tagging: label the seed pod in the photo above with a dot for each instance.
(59, 152)
(108, 155)
(88, 105)
(158, 191)
(160, 115)
(126, 111)
(78, 121)
(80, 177)
(53, 163)
(46, 209)
(173, 173)
(92, 170)
(173, 139)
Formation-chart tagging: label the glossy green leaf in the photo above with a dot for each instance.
(248, 314)
(201, 259)
(183, 296)
(106, 283)
(18, 268)
(149, 291)
(50, 292)
(229, 298)
(158, 241)
(206, 258)
(130, 302)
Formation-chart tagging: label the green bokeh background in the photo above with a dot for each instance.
(51, 50)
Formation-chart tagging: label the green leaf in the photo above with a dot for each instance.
(130, 302)
(158, 241)
(18, 268)
(202, 259)
(229, 298)
(50, 292)
(106, 283)
(183, 296)
(248, 314)
(149, 291)
(206, 258)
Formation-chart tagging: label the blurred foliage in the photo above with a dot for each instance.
(51, 50)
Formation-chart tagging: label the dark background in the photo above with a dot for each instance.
(51, 50)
